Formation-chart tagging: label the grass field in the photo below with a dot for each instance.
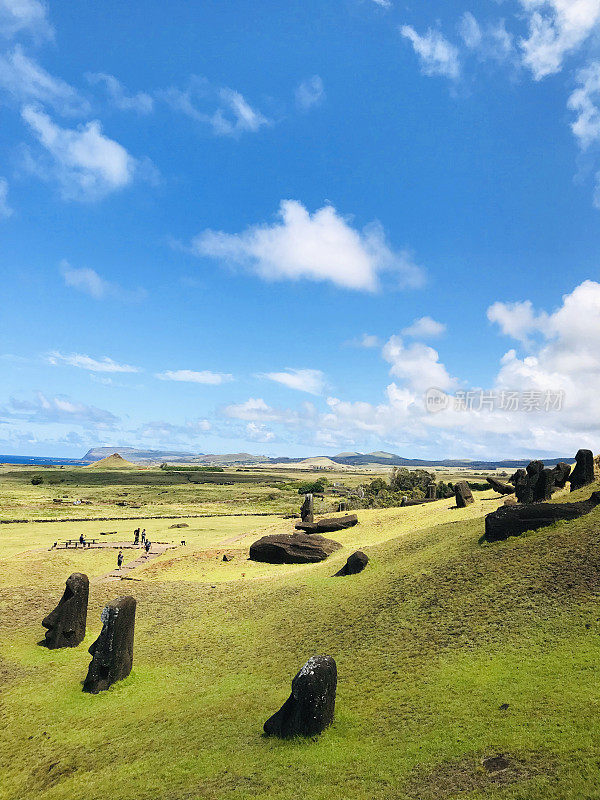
(430, 640)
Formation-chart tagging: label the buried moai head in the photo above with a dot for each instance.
(310, 707)
(66, 624)
(112, 652)
(307, 509)
(463, 494)
(583, 473)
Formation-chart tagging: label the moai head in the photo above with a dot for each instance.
(112, 652)
(306, 510)
(66, 624)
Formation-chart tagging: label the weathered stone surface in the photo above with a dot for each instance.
(355, 563)
(561, 474)
(583, 472)
(66, 624)
(501, 488)
(307, 509)
(329, 524)
(536, 483)
(296, 548)
(112, 652)
(430, 492)
(514, 520)
(463, 494)
(310, 707)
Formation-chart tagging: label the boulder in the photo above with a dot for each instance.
(310, 707)
(583, 472)
(66, 624)
(296, 548)
(355, 563)
(514, 520)
(463, 494)
(112, 652)
(328, 525)
(307, 508)
(501, 488)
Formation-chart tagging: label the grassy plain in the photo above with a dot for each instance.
(431, 641)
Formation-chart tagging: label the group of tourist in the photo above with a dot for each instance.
(139, 537)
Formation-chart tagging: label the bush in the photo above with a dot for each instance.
(36, 480)
(316, 487)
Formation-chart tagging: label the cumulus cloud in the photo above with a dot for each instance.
(303, 380)
(5, 209)
(88, 281)
(19, 16)
(436, 54)
(59, 409)
(517, 320)
(140, 102)
(310, 93)
(417, 364)
(259, 433)
(584, 101)
(86, 164)
(556, 29)
(226, 111)
(26, 81)
(424, 328)
(321, 247)
(190, 376)
(81, 361)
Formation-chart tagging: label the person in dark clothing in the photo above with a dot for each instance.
(81, 539)
(136, 535)
(148, 546)
(120, 559)
(143, 536)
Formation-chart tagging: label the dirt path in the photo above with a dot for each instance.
(125, 572)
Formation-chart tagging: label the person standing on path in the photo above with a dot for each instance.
(148, 545)
(120, 559)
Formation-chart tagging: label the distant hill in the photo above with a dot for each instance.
(112, 462)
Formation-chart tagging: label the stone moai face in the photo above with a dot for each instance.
(307, 509)
(310, 707)
(463, 494)
(66, 624)
(584, 469)
(112, 652)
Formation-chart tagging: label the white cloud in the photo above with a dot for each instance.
(436, 54)
(517, 320)
(59, 409)
(491, 41)
(417, 364)
(105, 364)
(584, 101)
(87, 164)
(259, 433)
(5, 209)
(88, 281)
(556, 29)
(383, 3)
(303, 380)
(18, 16)
(232, 116)
(310, 93)
(141, 102)
(425, 328)
(27, 81)
(320, 247)
(190, 376)
(367, 340)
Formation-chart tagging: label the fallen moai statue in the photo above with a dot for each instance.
(516, 519)
(501, 488)
(328, 525)
(66, 623)
(295, 548)
(583, 473)
(463, 494)
(310, 707)
(355, 564)
(112, 652)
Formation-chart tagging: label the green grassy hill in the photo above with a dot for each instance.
(432, 641)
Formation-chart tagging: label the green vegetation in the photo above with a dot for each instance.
(432, 641)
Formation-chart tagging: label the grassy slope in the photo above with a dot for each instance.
(430, 640)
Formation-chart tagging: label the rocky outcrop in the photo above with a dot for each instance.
(297, 548)
(516, 519)
(329, 524)
(66, 623)
(355, 564)
(463, 494)
(310, 707)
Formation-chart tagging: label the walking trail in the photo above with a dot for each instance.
(125, 572)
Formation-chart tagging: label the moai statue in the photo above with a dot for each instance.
(307, 509)
(342, 507)
(112, 652)
(310, 707)
(583, 473)
(430, 491)
(66, 624)
(463, 494)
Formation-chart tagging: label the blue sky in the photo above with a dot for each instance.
(272, 227)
